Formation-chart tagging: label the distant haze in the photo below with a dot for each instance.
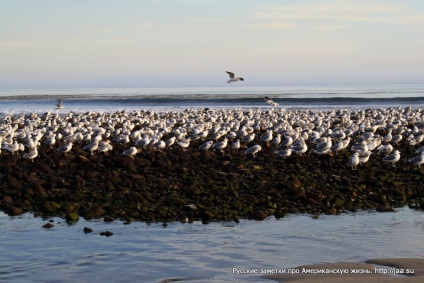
(191, 43)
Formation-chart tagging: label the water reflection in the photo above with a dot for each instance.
(151, 253)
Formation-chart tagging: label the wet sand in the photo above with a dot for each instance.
(372, 270)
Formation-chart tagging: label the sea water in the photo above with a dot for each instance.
(141, 252)
(16, 101)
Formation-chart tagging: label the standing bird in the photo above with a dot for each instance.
(65, 148)
(284, 152)
(131, 152)
(385, 149)
(276, 141)
(233, 78)
(392, 158)
(337, 147)
(31, 154)
(170, 141)
(91, 147)
(364, 156)
(221, 145)
(104, 146)
(267, 137)
(354, 161)
(236, 145)
(417, 160)
(253, 149)
(206, 145)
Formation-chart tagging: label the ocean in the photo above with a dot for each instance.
(141, 252)
(114, 99)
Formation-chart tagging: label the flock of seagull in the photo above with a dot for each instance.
(286, 132)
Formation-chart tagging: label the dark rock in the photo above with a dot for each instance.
(72, 217)
(108, 219)
(384, 209)
(48, 225)
(259, 215)
(16, 210)
(87, 230)
(107, 233)
(207, 216)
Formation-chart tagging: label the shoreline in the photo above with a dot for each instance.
(372, 270)
(190, 184)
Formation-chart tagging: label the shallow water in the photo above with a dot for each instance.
(203, 253)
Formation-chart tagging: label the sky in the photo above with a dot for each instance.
(191, 43)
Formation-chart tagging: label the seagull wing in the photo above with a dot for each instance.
(231, 74)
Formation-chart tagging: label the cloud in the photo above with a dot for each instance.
(335, 14)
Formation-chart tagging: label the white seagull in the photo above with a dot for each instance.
(206, 145)
(418, 160)
(284, 152)
(131, 152)
(65, 148)
(253, 149)
(233, 78)
(31, 154)
(271, 102)
(354, 161)
(392, 158)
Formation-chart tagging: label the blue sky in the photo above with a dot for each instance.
(190, 43)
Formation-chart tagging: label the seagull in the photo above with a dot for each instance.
(220, 145)
(392, 158)
(287, 142)
(233, 78)
(59, 104)
(364, 156)
(206, 145)
(12, 147)
(131, 152)
(253, 149)
(420, 149)
(170, 141)
(159, 145)
(184, 143)
(236, 145)
(325, 144)
(417, 160)
(284, 152)
(270, 101)
(337, 147)
(65, 148)
(385, 149)
(354, 161)
(104, 146)
(322, 151)
(91, 147)
(267, 137)
(299, 147)
(31, 154)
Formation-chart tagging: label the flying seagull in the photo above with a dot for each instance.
(233, 78)
(270, 101)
